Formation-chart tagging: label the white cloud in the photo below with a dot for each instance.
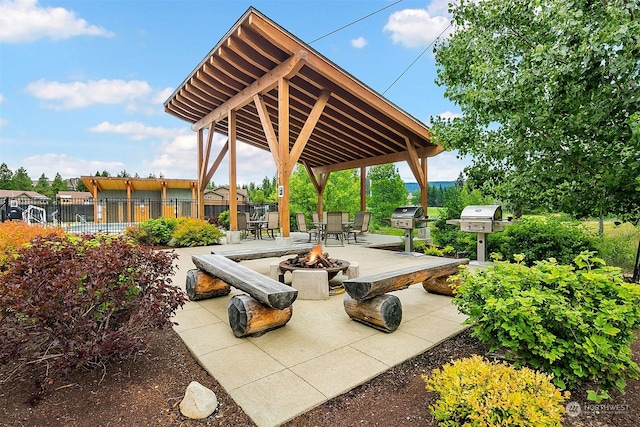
(416, 27)
(449, 115)
(66, 96)
(177, 159)
(2, 98)
(3, 122)
(23, 21)
(138, 131)
(162, 95)
(67, 166)
(359, 43)
(446, 166)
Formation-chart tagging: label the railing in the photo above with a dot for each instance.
(114, 215)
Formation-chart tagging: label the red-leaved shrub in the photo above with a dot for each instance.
(71, 301)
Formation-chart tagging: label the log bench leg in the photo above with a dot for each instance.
(383, 312)
(247, 317)
(439, 284)
(201, 285)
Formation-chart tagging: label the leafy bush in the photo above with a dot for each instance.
(541, 238)
(223, 219)
(577, 323)
(16, 234)
(156, 232)
(480, 393)
(71, 301)
(195, 232)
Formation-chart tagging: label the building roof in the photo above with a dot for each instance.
(14, 194)
(355, 127)
(137, 184)
(73, 195)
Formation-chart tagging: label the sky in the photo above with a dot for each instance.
(82, 83)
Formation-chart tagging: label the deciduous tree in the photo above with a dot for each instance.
(549, 91)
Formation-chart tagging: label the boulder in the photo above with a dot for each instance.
(199, 402)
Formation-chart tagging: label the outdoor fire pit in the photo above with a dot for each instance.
(315, 259)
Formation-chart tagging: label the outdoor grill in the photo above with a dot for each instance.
(408, 218)
(481, 219)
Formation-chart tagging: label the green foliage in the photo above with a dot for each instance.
(541, 238)
(619, 246)
(68, 301)
(195, 232)
(476, 392)
(5, 177)
(153, 231)
(21, 180)
(388, 191)
(223, 219)
(43, 187)
(577, 323)
(549, 121)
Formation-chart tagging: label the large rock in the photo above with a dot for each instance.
(199, 402)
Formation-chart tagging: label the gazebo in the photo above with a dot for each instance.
(263, 86)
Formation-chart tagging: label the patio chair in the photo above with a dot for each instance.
(360, 225)
(272, 224)
(315, 216)
(334, 227)
(243, 224)
(301, 222)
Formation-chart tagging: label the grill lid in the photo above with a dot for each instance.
(482, 212)
(405, 212)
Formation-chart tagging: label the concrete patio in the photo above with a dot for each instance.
(321, 353)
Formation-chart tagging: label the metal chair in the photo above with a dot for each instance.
(301, 222)
(360, 225)
(334, 227)
(272, 223)
(243, 224)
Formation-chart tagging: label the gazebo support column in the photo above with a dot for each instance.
(233, 194)
(363, 188)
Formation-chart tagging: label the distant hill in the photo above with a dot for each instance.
(413, 186)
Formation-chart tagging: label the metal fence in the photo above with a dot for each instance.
(111, 215)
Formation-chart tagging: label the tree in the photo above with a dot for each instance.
(43, 187)
(21, 180)
(58, 185)
(387, 192)
(549, 95)
(5, 177)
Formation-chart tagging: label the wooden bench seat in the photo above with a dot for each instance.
(268, 305)
(259, 253)
(366, 298)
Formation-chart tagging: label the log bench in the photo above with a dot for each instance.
(268, 305)
(258, 253)
(366, 299)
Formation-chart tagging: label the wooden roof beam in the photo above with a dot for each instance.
(265, 83)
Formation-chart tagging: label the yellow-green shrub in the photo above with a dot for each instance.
(195, 232)
(476, 392)
(16, 234)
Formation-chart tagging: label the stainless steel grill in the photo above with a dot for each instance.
(408, 218)
(481, 219)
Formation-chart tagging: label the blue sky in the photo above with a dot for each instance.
(82, 83)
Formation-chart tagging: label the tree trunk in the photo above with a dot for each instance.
(383, 312)
(441, 285)
(201, 285)
(247, 317)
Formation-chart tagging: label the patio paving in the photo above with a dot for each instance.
(320, 353)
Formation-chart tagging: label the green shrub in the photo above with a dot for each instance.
(577, 323)
(476, 392)
(223, 219)
(155, 232)
(71, 301)
(433, 251)
(541, 238)
(195, 232)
